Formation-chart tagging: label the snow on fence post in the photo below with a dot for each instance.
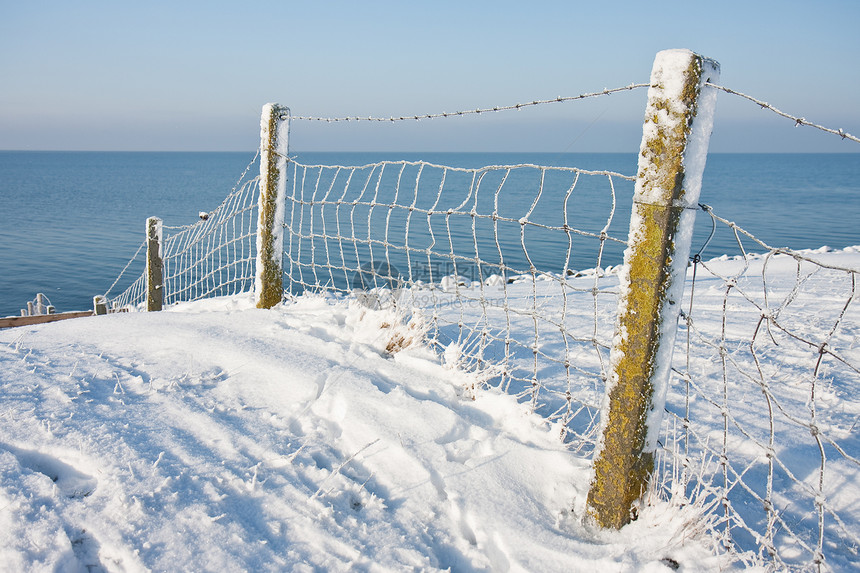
(274, 145)
(154, 266)
(41, 307)
(99, 305)
(675, 135)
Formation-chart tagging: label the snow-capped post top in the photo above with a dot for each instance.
(675, 135)
(679, 119)
(274, 146)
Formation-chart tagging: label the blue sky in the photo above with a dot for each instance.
(192, 75)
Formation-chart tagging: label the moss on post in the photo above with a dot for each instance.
(274, 135)
(154, 266)
(671, 162)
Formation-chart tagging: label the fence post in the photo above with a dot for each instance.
(154, 266)
(676, 132)
(274, 146)
(99, 305)
(41, 307)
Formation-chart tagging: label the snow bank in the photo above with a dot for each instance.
(216, 436)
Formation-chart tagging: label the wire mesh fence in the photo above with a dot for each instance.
(504, 264)
(764, 402)
(213, 257)
(508, 269)
(491, 261)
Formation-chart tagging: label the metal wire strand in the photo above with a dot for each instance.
(516, 106)
(798, 121)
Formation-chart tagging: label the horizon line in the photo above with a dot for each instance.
(635, 152)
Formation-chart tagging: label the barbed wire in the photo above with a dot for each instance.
(559, 99)
(738, 230)
(798, 121)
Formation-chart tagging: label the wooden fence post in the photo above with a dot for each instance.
(676, 132)
(154, 266)
(274, 146)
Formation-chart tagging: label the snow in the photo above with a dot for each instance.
(317, 435)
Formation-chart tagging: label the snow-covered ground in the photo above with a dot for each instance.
(214, 436)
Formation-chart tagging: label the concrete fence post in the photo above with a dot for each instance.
(154, 266)
(41, 305)
(274, 145)
(678, 122)
(99, 305)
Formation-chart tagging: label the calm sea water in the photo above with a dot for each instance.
(69, 221)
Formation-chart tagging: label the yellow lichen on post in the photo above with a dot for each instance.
(154, 266)
(268, 286)
(651, 282)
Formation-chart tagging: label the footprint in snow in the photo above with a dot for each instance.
(70, 481)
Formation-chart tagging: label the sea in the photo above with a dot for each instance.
(69, 221)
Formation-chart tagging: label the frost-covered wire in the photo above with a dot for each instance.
(774, 447)
(798, 121)
(516, 106)
(212, 257)
(132, 294)
(459, 248)
(215, 256)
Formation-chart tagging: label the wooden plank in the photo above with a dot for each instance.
(14, 321)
